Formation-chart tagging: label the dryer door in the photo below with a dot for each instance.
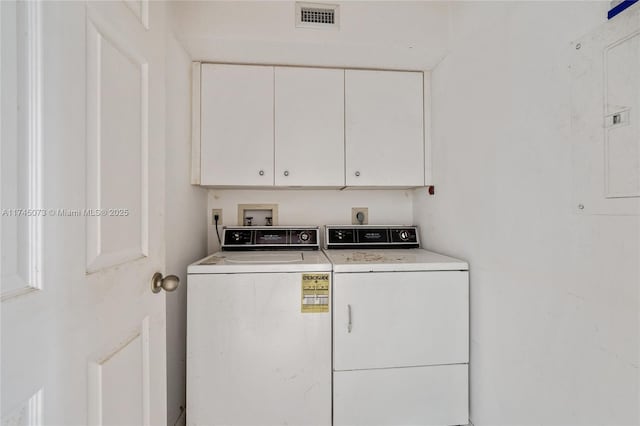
(400, 319)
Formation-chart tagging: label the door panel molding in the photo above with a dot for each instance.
(25, 271)
(140, 9)
(111, 161)
(101, 395)
(28, 413)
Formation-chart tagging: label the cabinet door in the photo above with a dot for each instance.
(237, 125)
(384, 128)
(309, 126)
(400, 319)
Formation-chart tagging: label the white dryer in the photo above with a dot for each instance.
(259, 330)
(400, 329)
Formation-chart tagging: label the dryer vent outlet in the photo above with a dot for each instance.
(359, 216)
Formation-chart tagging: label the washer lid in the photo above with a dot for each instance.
(261, 261)
(392, 260)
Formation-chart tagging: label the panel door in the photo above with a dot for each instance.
(435, 395)
(309, 127)
(252, 356)
(83, 337)
(236, 125)
(605, 105)
(384, 133)
(400, 319)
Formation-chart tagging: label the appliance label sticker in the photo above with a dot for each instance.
(315, 293)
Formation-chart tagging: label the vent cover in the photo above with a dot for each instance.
(316, 15)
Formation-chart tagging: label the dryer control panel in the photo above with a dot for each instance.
(371, 236)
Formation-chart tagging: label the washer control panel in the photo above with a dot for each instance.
(371, 236)
(270, 238)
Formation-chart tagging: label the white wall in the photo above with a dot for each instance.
(313, 207)
(186, 231)
(554, 294)
(385, 34)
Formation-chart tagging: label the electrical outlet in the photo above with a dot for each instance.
(215, 212)
(359, 215)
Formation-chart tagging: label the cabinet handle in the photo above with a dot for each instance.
(286, 172)
(261, 172)
(357, 173)
(349, 323)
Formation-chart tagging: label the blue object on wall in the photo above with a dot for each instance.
(619, 8)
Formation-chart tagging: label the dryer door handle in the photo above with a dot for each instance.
(349, 321)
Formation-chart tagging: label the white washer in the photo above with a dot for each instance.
(400, 329)
(258, 343)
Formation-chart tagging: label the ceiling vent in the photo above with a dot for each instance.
(317, 15)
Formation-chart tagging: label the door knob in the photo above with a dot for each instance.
(168, 283)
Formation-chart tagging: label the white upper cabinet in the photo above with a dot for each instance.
(309, 127)
(236, 119)
(384, 133)
(265, 126)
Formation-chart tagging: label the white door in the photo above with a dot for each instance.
(83, 337)
(236, 118)
(384, 128)
(400, 319)
(309, 126)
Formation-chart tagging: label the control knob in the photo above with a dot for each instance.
(236, 236)
(304, 236)
(404, 235)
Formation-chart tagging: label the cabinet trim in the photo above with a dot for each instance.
(269, 64)
(195, 122)
(426, 127)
